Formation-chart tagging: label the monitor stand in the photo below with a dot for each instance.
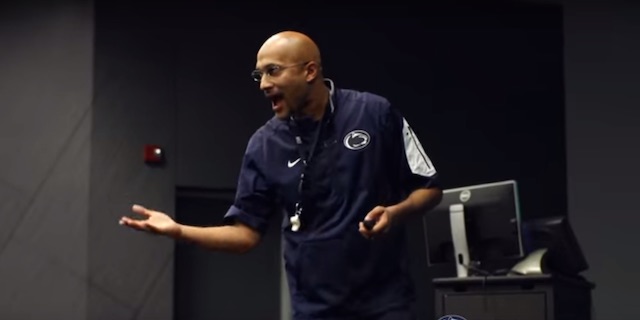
(459, 237)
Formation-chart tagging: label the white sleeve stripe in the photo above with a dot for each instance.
(420, 150)
(417, 158)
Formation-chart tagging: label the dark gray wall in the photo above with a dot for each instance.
(602, 67)
(218, 105)
(45, 130)
(134, 104)
(71, 159)
(211, 285)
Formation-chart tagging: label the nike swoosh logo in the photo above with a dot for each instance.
(291, 164)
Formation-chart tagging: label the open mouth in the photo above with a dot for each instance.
(277, 101)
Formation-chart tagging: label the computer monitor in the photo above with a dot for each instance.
(562, 252)
(491, 224)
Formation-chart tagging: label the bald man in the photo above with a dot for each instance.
(344, 168)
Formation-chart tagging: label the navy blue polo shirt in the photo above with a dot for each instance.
(366, 155)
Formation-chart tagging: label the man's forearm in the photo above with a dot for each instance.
(233, 238)
(418, 202)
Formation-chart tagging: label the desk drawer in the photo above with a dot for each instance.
(496, 306)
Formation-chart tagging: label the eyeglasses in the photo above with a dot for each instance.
(272, 70)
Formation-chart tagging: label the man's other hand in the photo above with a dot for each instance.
(381, 218)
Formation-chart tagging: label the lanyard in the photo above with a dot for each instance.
(306, 159)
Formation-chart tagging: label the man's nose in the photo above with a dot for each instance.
(265, 84)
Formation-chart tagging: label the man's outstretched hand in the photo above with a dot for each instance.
(153, 221)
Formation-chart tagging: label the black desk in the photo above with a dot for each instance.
(539, 297)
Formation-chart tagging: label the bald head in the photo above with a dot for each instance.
(289, 71)
(290, 47)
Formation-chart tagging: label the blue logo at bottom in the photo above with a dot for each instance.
(452, 317)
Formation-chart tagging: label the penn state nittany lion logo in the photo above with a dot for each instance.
(356, 139)
(452, 317)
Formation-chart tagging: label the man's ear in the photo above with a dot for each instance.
(313, 70)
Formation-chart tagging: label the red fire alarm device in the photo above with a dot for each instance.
(153, 154)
